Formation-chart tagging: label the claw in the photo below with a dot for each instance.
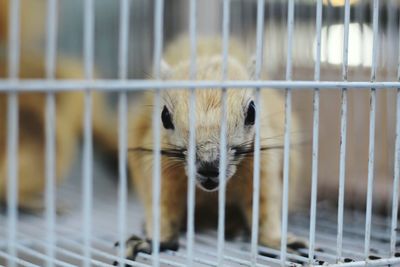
(135, 245)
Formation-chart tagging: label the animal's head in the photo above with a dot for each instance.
(241, 115)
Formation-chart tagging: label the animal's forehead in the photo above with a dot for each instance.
(207, 100)
(210, 68)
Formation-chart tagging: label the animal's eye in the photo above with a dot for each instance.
(166, 119)
(250, 114)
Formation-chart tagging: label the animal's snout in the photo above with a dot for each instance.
(209, 169)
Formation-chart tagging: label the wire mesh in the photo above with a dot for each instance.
(85, 238)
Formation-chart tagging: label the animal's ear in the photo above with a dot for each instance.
(166, 70)
(251, 68)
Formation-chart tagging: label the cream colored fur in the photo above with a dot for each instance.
(208, 120)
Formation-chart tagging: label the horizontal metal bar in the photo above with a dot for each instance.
(16, 259)
(140, 85)
(42, 256)
(380, 262)
(64, 237)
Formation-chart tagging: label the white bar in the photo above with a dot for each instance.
(317, 70)
(14, 40)
(87, 178)
(288, 117)
(225, 37)
(12, 184)
(286, 161)
(192, 137)
(141, 85)
(370, 173)
(66, 238)
(343, 127)
(122, 128)
(342, 169)
(395, 193)
(257, 145)
(12, 132)
(123, 39)
(42, 256)
(88, 38)
(314, 172)
(346, 40)
(87, 181)
(223, 141)
(158, 38)
(256, 182)
(15, 259)
(371, 152)
(380, 262)
(50, 165)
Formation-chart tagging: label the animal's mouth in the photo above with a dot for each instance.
(208, 184)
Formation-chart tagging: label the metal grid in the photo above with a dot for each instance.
(20, 236)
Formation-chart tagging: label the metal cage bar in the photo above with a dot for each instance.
(223, 138)
(12, 133)
(191, 198)
(371, 150)
(156, 191)
(142, 85)
(123, 128)
(343, 132)
(52, 245)
(257, 137)
(395, 190)
(87, 170)
(288, 119)
(50, 165)
(315, 140)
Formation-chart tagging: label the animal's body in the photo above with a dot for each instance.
(31, 130)
(32, 110)
(174, 122)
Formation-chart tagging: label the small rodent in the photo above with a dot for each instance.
(32, 109)
(241, 114)
(31, 130)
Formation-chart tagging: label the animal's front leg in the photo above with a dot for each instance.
(270, 207)
(172, 209)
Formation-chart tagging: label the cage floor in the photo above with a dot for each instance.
(32, 230)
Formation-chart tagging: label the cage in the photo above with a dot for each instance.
(70, 71)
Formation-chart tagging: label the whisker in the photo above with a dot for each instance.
(174, 153)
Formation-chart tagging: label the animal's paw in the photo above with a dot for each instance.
(135, 245)
(295, 244)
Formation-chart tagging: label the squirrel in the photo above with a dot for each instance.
(32, 110)
(69, 112)
(241, 116)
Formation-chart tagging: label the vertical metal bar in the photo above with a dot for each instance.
(346, 40)
(257, 145)
(223, 141)
(371, 152)
(87, 134)
(156, 194)
(192, 135)
(50, 198)
(343, 131)
(225, 36)
(314, 173)
(12, 132)
(395, 193)
(288, 118)
(122, 127)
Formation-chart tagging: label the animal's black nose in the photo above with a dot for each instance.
(209, 169)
